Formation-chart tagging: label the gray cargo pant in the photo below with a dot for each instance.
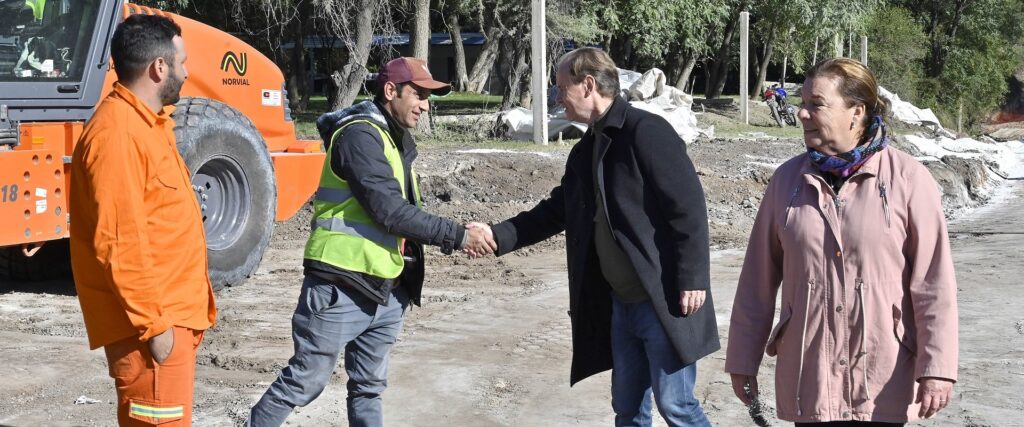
(329, 318)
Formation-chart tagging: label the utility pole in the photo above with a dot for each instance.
(785, 63)
(744, 64)
(864, 50)
(540, 78)
(814, 60)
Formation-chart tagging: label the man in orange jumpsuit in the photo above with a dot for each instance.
(138, 250)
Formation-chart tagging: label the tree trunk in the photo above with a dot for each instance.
(513, 47)
(706, 69)
(508, 84)
(785, 64)
(306, 16)
(420, 36)
(762, 62)
(942, 40)
(721, 64)
(622, 53)
(298, 78)
(673, 64)
(421, 49)
(526, 85)
(349, 79)
(687, 63)
(960, 117)
(481, 72)
(461, 80)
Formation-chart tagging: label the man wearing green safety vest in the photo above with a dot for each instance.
(364, 259)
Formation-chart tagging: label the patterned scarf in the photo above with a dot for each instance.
(846, 164)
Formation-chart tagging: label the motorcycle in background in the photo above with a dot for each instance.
(782, 112)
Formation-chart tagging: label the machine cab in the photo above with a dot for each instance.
(53, 56)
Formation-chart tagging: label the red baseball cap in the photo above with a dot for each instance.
(411, 70)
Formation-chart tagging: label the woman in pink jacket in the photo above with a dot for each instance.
(854, 233)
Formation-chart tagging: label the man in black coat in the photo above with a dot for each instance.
(636, 227)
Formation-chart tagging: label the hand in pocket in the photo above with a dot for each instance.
(161, 346)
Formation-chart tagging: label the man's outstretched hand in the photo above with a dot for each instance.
(480, 241)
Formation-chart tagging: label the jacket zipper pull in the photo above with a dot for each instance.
(885, 201)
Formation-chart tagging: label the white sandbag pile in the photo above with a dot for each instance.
(908, 113)
(648, 91)
(1001, 157)
(652, 93)
(968, 171)
(519, 124)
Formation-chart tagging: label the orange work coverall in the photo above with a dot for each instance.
(138, 252)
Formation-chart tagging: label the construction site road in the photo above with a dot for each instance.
(491, 344)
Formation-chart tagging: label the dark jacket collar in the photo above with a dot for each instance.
(616, 115)
(614, 118)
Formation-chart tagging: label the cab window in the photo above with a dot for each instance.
(45, 40)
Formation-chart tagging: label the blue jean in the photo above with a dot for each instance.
(327, 319)
(643, 360)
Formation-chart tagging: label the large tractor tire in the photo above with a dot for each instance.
(52, 261)
(233, 178)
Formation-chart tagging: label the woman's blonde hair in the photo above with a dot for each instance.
(856, 84)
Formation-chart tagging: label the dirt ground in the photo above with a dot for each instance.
(491, 344)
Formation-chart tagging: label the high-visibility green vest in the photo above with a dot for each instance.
(37, 6)
(343, 234)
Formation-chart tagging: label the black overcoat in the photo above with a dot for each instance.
(656, 209)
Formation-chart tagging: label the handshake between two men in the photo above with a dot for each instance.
(479, 241)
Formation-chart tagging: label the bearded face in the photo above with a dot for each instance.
(170, 92)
